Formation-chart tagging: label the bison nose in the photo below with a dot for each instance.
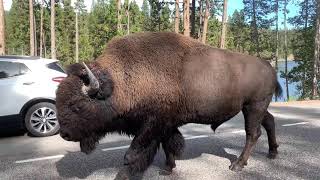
(65, 135)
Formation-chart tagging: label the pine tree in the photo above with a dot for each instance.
(119, 27)
(165, 18)
(177, 17)
(316, 54)
(224, 24)
(286, 47)
(85, 48)
(239, 32)
(136, 18)
(205, 21)
(77, 32)
(193, 18)
(52, 30)
(155, 13)
(2, 29)
(65, 27)
(32, 29)
(303, 48)
(103, 24)
(145, 15)
(17, 29)
(186, 17)
(41, 28)
(257, 13)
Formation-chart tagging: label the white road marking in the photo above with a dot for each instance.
(295, 117)
(294, 124)
(238, 131)
(127, 146)
(40, 159)
(115, 148)
(106, 149)
(286, 116)
(196, 137)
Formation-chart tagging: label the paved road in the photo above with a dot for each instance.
(207, 155)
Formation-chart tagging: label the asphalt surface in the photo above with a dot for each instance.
(207, 155)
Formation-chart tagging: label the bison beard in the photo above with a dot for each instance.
(147, 85)
(87, 145)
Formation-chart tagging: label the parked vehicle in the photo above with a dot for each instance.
(27, 94)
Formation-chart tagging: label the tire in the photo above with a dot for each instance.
(41, 120)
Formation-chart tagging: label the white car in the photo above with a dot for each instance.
(27, 94)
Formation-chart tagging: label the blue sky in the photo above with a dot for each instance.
(232, 6)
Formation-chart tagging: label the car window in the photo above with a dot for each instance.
(11, 69)
(55, 66)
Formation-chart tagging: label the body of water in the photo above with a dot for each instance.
(293, 92)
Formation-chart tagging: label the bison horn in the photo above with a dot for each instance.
(93, 86)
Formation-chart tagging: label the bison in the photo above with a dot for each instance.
(146, 85)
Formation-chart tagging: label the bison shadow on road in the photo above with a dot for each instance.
(77, 164)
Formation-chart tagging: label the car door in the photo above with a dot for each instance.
(15, 85)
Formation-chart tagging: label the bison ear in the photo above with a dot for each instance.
(76, 70)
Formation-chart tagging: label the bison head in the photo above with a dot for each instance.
(82, 116)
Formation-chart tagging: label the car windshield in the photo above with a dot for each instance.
(55, 66)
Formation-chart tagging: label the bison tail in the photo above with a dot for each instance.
(278, 91)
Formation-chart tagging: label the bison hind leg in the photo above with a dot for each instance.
(254, 114)
(269, 126)
(173, 145)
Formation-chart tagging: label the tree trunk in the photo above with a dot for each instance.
(277, 38)
(31, 22)
(41, 28)
(119, 15)
(2, 30)
(77, 37)
(316, 55)
(186, 17)
(53, 33)
(224, 24)
(205, 22)
(128, 16)
(200, 20)
(35, 36)
(177, 17)
(44, 45)
(286, 47)
(306, 17)
(255, 28)
(193, 18)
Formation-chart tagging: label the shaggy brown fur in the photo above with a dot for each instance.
(152, 83)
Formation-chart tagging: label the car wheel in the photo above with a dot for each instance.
(41, 119)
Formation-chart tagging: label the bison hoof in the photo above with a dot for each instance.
(128, 159)
(166, 171)
(170, 165)
(236, 166)
(135, 162)
(272, 155)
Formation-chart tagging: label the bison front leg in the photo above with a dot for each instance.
(142, 150)
(172, 144)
